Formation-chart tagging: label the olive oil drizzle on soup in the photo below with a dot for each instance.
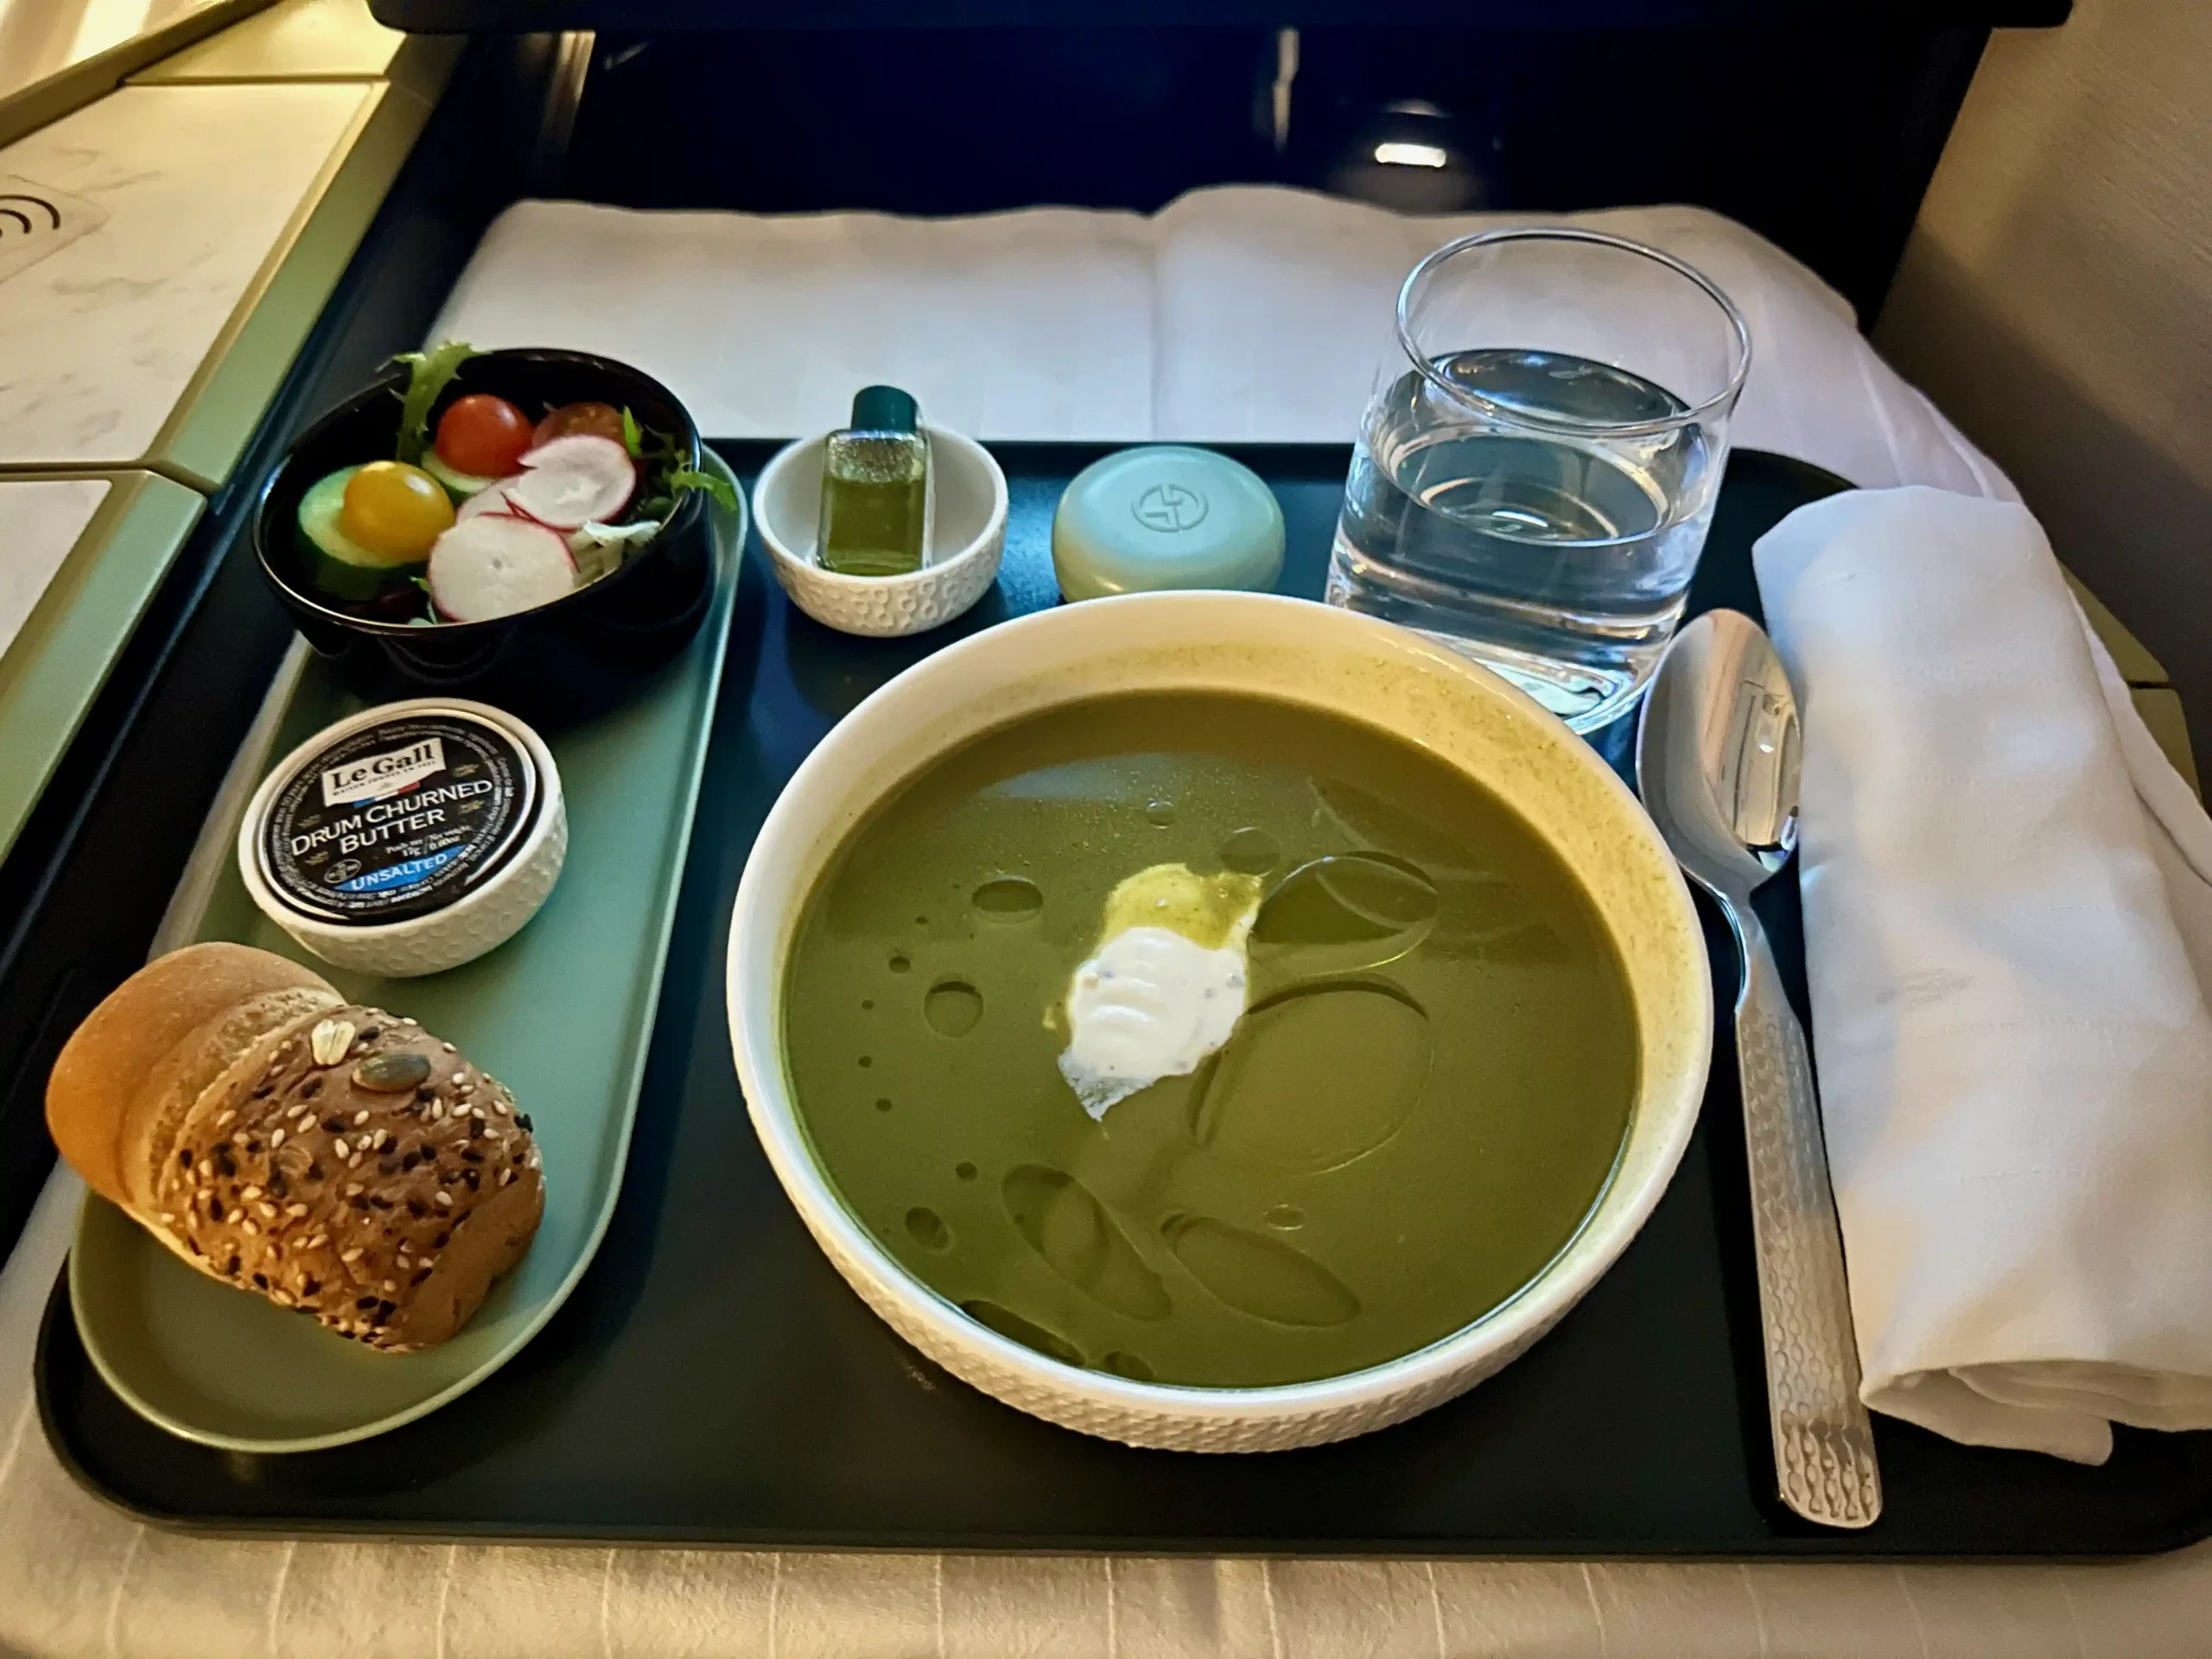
(1422, 1100)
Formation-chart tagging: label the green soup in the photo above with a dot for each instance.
(1425, 1095)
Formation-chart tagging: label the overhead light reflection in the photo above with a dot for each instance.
(1393, 154)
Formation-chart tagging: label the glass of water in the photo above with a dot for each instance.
(1538, 463)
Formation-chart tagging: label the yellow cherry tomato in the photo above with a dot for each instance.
(395, 509)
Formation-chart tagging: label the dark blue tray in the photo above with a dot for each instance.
(714, 1381)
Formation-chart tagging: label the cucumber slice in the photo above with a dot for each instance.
(458, 485)
(337, 565)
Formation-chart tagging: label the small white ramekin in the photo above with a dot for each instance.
(1288, 651)
(961, 564)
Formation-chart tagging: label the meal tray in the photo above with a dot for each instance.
(713, 1381)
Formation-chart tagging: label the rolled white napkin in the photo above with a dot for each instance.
(2005, 886)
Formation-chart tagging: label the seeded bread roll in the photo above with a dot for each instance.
(104, 1091)
(332, 1157)
(158, 1110)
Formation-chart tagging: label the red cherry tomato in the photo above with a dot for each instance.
(483, 436)
(598, 420)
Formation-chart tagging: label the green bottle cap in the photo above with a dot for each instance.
(884, 408)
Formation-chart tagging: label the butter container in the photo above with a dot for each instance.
(409, 838)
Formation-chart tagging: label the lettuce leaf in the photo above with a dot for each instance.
(681, 479)
(428, 374)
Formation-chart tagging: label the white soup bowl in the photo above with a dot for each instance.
(1293, 651)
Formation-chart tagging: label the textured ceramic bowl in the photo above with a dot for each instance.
(1293, 651)
(963, 560)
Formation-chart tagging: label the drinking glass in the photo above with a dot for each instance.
(1539, 459)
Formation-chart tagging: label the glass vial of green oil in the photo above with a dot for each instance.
(875, 488)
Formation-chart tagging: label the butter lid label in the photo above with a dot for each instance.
(399, 818)
(373, 777)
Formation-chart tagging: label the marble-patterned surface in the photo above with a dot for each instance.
(39, 38)
(40, 521)
(294, 39)
(99, 340)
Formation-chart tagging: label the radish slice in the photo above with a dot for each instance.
(497, 565)
(575, 481)
(492, 498)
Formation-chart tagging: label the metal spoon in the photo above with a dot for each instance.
(1345, 912)
(1716, 759)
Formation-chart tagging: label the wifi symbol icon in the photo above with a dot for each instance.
(21, 213)
(37, 220)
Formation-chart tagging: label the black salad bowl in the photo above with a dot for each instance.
(553, 665)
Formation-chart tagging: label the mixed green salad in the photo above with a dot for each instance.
(494, 514)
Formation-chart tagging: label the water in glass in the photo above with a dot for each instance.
(1557, 557)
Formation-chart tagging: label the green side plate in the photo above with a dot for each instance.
(562, 1013)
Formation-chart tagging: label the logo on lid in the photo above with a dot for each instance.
(1169, 507)
(380, 777)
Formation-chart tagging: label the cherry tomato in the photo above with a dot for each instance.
(395, 509)
(599, 420)
(484, 435)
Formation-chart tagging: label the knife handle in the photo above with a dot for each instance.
(1823, 1444)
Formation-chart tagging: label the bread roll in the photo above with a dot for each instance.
(330, 1156)
(93, 1096)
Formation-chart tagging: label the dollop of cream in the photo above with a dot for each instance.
(1164, 986)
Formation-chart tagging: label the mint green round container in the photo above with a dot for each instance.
(1162, 516)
